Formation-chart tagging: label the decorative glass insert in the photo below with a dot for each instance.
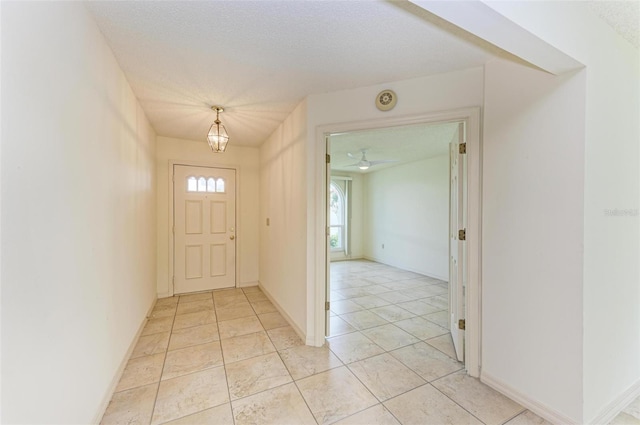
(205, 184)
(211, 184)
(202, 184)
(220, 185)
(192, 184)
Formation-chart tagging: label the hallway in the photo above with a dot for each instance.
(228, 357)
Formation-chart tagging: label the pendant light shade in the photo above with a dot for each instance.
(217, 136)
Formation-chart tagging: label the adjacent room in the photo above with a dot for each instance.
(389, 248)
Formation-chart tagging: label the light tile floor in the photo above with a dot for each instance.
(229, 357)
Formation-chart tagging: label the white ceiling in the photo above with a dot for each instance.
(260, 59)
(403, 144)
(622, 16)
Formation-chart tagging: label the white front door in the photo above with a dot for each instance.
(204, 211)
(457, 205)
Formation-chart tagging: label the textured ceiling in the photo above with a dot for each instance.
(260, 59)
(402, 144)
(623, 16)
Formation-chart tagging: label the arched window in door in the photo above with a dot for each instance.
(337, 209)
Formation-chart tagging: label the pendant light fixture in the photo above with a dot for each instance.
(217, 136)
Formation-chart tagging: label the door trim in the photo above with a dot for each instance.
(474, 221)
(170, 202)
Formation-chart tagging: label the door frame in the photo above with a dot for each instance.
(473, 246)
(191, 163)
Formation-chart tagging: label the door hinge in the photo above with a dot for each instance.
(462, 324)
(327, 305)
(328, 159)
(462, 148)
(328, 230)
(462, 235)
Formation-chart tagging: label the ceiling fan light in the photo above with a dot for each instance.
(364, 165)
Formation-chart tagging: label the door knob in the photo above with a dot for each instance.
(232, 237)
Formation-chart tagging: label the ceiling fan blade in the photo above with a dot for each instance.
(352, 156)
(383, 161)
(353, 165)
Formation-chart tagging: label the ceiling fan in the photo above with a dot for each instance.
(364, 163)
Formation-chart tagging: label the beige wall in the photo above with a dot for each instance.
(610, 293)
(533, 175)
(78, 215)
(357, 216)
(283, 202)
(198, 153)
(406, 209)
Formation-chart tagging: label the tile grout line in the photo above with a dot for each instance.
(198, 371)
(283, 363)
(224, 362)
(515, 416)
(388, 352)
(458, 404)
(155, 400)
(295, 383)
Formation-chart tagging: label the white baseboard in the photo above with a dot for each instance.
(409, 269)
(123, 363)
(284, 314)
(337, 260)
(536, 407)
(610, 411)
(248, 284)
(164, 295)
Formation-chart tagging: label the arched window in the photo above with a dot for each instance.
(205, 184)
(336, 217)
(192, 184)
(211, 184)
(202, 184)
(220, 185)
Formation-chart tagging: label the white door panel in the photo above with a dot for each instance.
(456, 256)
(204, 227)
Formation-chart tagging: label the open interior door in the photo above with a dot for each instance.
(457, 236)
(327, 319)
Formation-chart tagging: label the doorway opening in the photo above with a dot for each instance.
(402, 264)
(400, 220)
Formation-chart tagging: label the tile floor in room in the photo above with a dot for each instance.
(229, 357)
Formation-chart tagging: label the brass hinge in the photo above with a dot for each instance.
(327, 305)
(462, 148)
(462, 235)
(328, 159)
(462, 324)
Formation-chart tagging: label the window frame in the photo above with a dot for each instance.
(341, 227)
(218, 184)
